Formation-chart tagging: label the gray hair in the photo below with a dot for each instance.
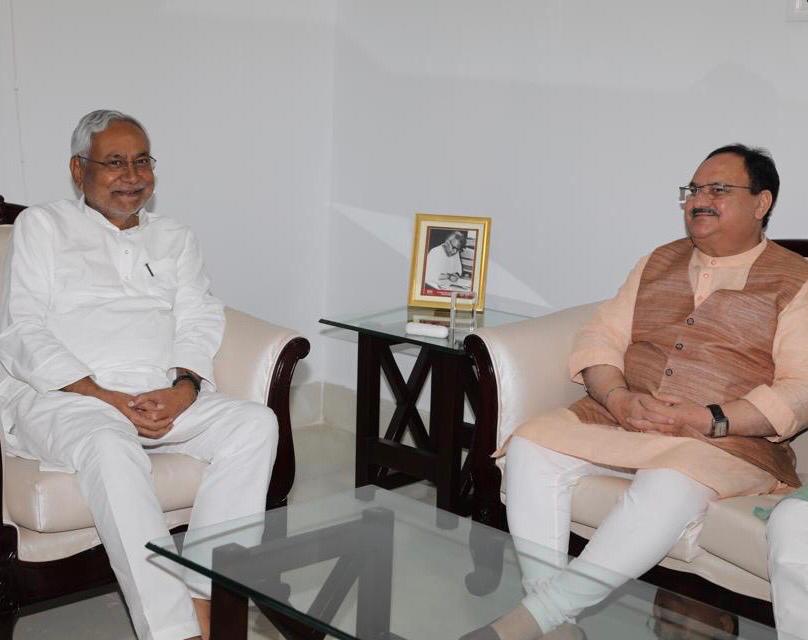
(95, 122)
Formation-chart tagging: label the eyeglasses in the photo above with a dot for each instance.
(140, 165)
(713, 190)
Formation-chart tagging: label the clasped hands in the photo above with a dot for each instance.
(153, 413)
(665, 414)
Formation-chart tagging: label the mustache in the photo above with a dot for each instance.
(697, 210)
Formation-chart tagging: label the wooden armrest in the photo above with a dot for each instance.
(283, 473)
(256, 362)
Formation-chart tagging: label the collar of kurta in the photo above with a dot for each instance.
(142, 216)
(745, 259)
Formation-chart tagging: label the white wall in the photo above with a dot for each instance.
(569, 123)
(237, 97)
(299, 138)
(10, 158)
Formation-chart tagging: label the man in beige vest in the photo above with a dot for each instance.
(695, 373)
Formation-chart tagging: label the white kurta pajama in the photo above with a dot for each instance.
(127, 307)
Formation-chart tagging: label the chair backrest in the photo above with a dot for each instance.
(797, 246)
(9, 211)
(5, 237)
(8, 214)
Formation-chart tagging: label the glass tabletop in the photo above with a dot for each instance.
(392, 323)
(370, 563)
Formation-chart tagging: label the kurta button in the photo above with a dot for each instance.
(679, 346)
(690, 321)
(668, 372)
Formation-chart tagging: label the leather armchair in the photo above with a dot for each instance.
(522, 369)
(48, 544)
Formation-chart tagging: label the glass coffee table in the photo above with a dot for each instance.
(369, 564)
(387, 458)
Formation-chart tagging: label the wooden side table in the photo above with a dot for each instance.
(436, 453)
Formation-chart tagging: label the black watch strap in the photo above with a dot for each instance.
(720, 426)
(187, 376)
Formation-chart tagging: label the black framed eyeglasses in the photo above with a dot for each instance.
(118, 165)
(713, 190)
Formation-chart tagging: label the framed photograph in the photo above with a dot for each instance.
(449, 253)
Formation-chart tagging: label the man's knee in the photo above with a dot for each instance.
(519, 457)
(521, 448)
(526, 453)
(790, 515)
(257, 426)
(677, 482)
(787, 527)
(684, 497)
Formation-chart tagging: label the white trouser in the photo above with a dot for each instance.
(787, 533)
(637, 533)
(237, 438)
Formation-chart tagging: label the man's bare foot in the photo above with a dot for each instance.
(202, 608)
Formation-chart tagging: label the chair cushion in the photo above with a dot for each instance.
(733, 533)
(595, 496)
(50, 501)
(33, 546)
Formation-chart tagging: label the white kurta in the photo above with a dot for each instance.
(787, 535)
(85, 298)
(440, 266)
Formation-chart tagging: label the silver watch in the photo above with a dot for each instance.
(720, 426)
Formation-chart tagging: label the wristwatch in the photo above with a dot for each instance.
(720, 426)
(192, 378)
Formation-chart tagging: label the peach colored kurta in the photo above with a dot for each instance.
(605, 339)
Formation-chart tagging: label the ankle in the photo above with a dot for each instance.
(517, 624)
(202, 609)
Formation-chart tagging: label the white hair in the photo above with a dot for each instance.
(95, 122)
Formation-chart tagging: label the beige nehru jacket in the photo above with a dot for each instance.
(606, 337)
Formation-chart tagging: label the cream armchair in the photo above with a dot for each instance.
(48, 544)
(522, 369)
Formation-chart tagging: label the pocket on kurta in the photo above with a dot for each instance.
(162, 280)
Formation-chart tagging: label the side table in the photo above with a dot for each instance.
(385, 460)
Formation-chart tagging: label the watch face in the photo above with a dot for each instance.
(720, 428)
(720, 425)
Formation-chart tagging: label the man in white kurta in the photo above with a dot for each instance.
(107, 337)
(443, 265)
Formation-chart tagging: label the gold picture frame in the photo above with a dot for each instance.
(449, 253)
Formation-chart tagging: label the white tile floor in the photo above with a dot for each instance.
(325, 465)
